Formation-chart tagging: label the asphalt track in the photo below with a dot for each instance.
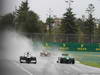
(45, 66)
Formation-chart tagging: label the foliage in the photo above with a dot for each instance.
(42, 26)
(49, 22)
(7, 21)
(68, 23)
(89, 24)
(97, 33)
(27, 21)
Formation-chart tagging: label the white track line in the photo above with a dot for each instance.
(22, 68)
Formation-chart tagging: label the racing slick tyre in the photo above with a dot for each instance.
(61, 61)
(21, 61)
(73, 61)
(35, 62)
(57, 62)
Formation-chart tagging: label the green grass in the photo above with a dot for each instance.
(87, 58)
(94, 64)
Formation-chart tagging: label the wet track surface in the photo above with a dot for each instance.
(46, 66)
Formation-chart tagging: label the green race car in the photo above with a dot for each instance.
(65, 58)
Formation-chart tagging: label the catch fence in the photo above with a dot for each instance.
(80, 38)
(70, 42)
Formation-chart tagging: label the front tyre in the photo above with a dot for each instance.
(35, 62)
(61, 60)
(21, 61)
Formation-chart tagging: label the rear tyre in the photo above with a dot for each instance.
(73, 61)
(35, 62)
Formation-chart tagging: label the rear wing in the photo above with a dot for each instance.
(65, 54)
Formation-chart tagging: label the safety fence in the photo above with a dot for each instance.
(69, 42)
(86, 38)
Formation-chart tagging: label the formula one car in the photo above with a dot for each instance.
(27, 58)
(66, 59)
(44, 53)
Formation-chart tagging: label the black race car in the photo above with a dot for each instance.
(27, 58)
(66, 59)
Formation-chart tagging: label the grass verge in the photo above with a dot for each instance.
(94, 64)
(87, 58)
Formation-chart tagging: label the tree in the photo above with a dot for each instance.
(31, 25)
(27, 21)
(7, 21)
(49, 22)
(89, 24)
(97, 37)
(69, 26)
(80, 23)
(42, 26)
(68, 23)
